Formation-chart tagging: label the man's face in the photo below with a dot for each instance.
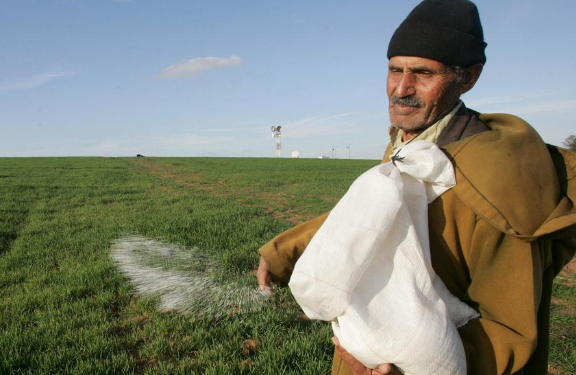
(420, 91)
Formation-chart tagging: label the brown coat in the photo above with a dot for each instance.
(497, 239)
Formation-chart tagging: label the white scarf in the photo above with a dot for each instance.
(368, 269)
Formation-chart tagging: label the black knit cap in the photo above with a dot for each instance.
(448, 31)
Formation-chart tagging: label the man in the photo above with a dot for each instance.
(500, 236)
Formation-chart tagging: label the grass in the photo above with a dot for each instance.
(563, 321)
(65, 308)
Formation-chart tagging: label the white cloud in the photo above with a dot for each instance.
(117, 1)
(189, 140)
(222, 130)
(108, 147)
(34, 81)
(172, 145)
(199, 65)
(491, 101)
(146, 144)
(322, 130)
(317, 126)
(546, 107)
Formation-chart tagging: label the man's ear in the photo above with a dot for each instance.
(471, 75)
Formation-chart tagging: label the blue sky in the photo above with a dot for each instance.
(210, 77)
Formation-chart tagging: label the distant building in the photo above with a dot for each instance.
(295, 154)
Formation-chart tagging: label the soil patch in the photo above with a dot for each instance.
(221, 188)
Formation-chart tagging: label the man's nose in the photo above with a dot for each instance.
(405, 85)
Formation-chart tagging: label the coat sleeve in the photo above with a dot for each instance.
(499, 275)
(282, 252)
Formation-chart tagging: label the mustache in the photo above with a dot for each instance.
(408, 101)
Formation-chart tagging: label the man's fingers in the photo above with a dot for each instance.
(386, 369)
(264, 277)
(358, 368)
(355, 365)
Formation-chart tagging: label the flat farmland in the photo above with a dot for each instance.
(65, 308)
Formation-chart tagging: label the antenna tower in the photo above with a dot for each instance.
(276, 134)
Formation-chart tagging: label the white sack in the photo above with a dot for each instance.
(368, 269)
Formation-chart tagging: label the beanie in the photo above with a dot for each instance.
(448, 31)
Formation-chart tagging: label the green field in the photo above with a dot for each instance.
(66, 309)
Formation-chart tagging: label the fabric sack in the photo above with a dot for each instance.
(368, 269)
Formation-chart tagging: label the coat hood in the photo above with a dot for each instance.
(512, 179)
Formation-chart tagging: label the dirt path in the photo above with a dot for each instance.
(274, 203)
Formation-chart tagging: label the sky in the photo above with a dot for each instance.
(211, 77)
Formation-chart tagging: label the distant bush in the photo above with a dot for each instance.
(570, 143)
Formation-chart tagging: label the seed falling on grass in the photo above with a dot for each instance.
(184, 280)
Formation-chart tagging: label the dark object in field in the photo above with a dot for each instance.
(139, 156)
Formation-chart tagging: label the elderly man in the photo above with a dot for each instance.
(500, 236)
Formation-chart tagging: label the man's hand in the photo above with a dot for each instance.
(358, 368)
(264, 277)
